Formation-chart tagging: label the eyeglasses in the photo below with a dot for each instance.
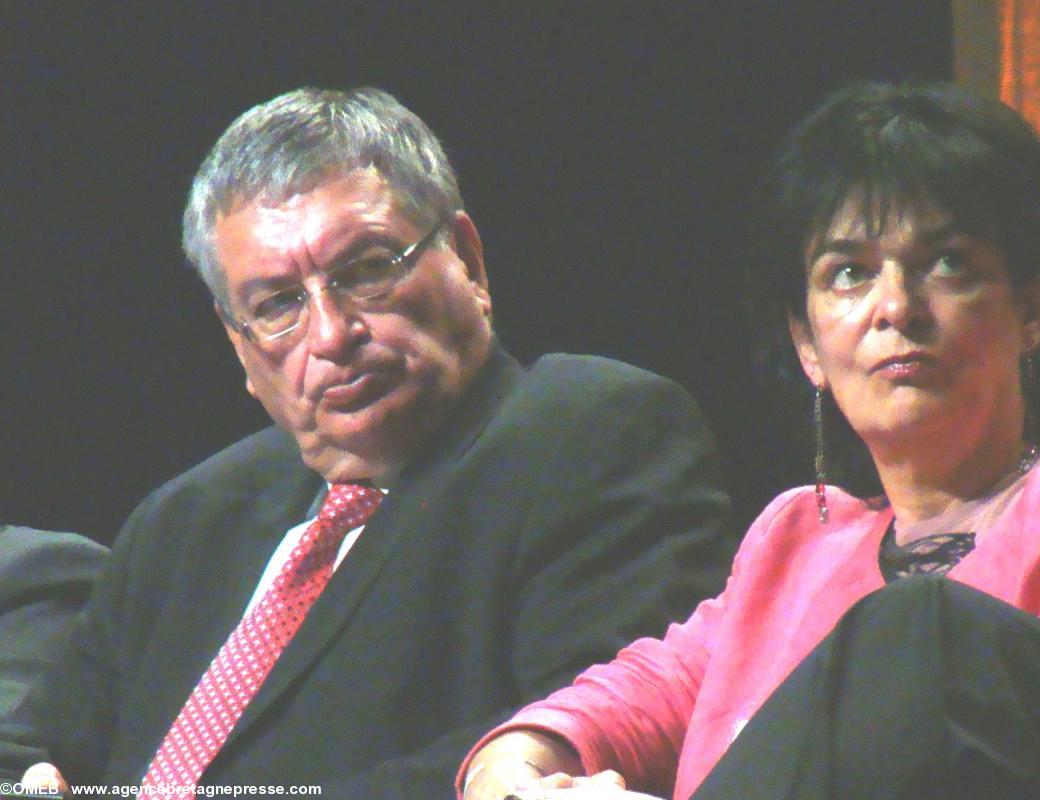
(364, 281)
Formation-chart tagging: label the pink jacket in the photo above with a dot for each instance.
(665, 710)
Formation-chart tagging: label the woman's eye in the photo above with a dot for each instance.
(950, 264)
(848, 276)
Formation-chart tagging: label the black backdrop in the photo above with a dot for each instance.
(606, 151)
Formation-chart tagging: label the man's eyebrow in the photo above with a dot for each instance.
(266, 283)
(356, 247)
(363, 242)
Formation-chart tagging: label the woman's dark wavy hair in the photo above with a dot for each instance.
(901, 147)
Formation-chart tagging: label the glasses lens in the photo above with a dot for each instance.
(364, 280)
(277, 313)
(369, 276)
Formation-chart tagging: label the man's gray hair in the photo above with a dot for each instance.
(299, 140)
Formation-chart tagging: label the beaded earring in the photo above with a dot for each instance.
(1029, 396)
(821, 472)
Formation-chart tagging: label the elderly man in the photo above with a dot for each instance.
(430, 536)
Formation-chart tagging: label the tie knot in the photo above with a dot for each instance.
(350, 504)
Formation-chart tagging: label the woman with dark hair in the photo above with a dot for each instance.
(879, 639)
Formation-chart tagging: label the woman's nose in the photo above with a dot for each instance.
(900, 301)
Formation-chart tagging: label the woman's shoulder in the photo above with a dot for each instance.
(1027, 506)
(796, 511)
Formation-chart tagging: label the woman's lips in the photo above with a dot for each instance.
(906, 367)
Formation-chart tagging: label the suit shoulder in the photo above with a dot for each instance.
(16, 540)
(261, 474)
(256, 451)
(260, 458)
(31, 558)
(597, 382)
(580, 370)
(595, 403)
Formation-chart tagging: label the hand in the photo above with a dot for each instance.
(44, 776)
(517, 759)
(607, 785)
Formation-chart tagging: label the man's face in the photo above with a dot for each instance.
(360, 388)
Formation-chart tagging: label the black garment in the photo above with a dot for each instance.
(936, 554)
(44, 579)
(564, 510)
(926, 690)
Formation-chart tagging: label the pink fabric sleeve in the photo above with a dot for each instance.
(630, 715)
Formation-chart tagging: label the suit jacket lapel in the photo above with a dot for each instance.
(400, 514)
(226, 565)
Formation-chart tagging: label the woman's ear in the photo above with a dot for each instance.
(1029, 297)
(805, 346)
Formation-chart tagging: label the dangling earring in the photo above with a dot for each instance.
(821, 473)
(1029, 397)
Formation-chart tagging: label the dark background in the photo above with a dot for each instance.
(606, 150)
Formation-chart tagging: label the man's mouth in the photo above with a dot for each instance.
(356, 391)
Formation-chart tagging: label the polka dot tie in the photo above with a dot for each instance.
(235, 675)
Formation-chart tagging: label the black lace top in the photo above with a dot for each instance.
(936, 554)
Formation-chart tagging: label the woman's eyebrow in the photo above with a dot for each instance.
(939, 233)
(844, 246)
(847, 247)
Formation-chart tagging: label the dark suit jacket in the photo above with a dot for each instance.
(564, 511)
(44, 579)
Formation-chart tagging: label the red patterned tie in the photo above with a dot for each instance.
(235, 675)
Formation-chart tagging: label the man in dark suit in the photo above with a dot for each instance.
(44, 579)
(533, 520)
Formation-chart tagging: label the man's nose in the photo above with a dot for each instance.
(334, 327)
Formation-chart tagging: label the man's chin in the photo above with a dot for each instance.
(339, 466)
(374, 442)
(342, 456)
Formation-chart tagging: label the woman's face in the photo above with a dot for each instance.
(916, 331)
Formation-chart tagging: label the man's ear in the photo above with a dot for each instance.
(236, 341)
(804, 345)
(467, 245)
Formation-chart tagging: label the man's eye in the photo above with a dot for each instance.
(277, 306)
(370, 269)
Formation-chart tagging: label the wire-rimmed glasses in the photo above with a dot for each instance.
(361, 280)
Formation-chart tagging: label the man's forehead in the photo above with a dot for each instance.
(335, 207)
(367, 181)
